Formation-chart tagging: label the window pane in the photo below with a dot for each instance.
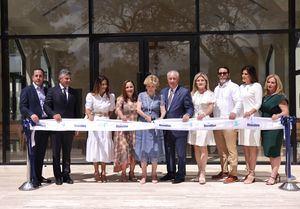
(47, 17)
(243, 14)
(52, 55)
(119, 62)
(235, 51)
(127, 16)
(170, 55)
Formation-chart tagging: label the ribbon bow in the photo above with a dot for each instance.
(288, 119)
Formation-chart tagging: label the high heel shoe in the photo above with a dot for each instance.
(123, 177)
(202, 178)
(143, 180)
(97, 176)
(250, 178)
(154, 179)
(196, 179)
(131, 176)
(272, 180)
(103, 177)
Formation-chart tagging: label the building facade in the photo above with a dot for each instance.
(125, 39)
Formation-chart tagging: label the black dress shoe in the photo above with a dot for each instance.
(68, 181)
(167, 177)
(36, 184)
(44, 180)
(58, 181)
(177, 180)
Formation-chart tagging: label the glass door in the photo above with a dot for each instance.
(134, 58)
(170, 55)
(118, 61)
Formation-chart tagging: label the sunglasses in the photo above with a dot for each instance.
(222, 73)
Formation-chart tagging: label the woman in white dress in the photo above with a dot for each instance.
(251, 94)
(203, 100)
(99, 104)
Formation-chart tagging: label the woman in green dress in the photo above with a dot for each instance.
(274, 105)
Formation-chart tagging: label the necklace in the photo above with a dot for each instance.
(150, 103)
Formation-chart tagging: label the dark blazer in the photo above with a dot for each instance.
(56, 103)
(30, 103)
(181, 104)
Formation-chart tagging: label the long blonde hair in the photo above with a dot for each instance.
(204, 76)
(279, 86)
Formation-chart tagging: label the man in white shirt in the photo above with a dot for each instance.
(31, 106)
(228, 105)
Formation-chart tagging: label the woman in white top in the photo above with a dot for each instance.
(251, 94)
(203, 100)
(99, 148)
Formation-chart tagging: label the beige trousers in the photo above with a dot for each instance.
(226, 141)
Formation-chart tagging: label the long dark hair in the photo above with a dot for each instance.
(97, 84)
(252, 72)
(124, 94)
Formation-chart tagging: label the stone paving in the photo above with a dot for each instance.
(85, 193)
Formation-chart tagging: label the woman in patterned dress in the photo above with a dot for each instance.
(99, 148)
(124, 140)
(203, 100)
(149, 145)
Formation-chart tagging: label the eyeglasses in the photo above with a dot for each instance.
(222, 73)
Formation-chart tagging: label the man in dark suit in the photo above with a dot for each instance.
(31, 106)
(62, 102)
(179, 104)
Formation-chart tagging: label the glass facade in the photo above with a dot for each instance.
(268, 53)
(218, 15)
(48, 17)
(126, 16)
(120, 59)
(125, 39)
(166, 55)
(52, 55)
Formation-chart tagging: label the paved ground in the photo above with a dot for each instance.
(87, 194)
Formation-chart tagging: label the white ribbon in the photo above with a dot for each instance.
(165, 124)
(219, 124)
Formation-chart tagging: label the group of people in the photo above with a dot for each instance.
(125, 148)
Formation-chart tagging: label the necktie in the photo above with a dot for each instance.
(65, 93)
(170, 98)
(41, 95)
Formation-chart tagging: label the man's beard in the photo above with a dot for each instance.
(222, 81)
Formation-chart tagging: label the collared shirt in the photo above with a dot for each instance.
(66, 89)
(170, 98)
(228, 99)
(41, 95)
(174, 90)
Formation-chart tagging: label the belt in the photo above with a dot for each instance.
(101, 114)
